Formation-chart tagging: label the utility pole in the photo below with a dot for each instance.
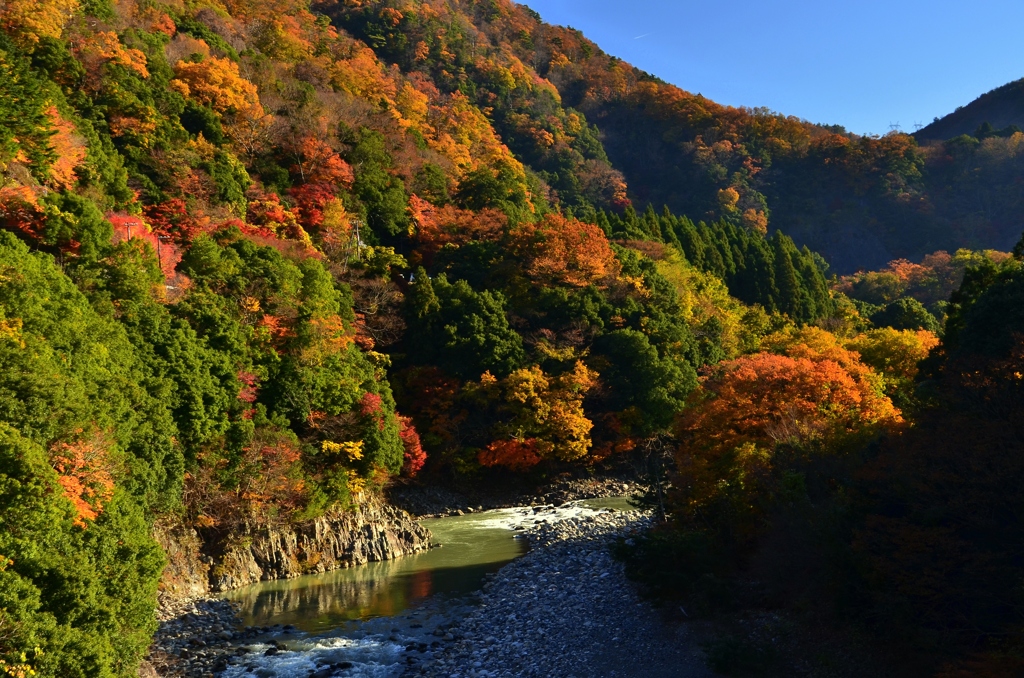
(159, 253)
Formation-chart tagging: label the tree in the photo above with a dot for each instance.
(894, 354)
(449, 225)
(382, 193)
(565, 251)
(26, 124)
(906, 313)
(461, 330)
(546, 418)
(646, 389)
(28, 21)
(757, 421)
(501, 187)
(415, 456)
(943, 499)
(216, 82)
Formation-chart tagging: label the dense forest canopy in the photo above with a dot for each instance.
(259, 259)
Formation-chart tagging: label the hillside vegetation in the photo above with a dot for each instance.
(259, 259)
(860, 201)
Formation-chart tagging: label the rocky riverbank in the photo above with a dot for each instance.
(372, 531)
(566, 609)
(198, 635)
(563, 609)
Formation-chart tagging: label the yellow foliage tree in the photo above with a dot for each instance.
(29, 20)
(894, 354)
(216, 82)
(548, 411)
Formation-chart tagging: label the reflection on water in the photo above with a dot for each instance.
(472, 546)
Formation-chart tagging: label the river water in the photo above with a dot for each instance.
(375, 619)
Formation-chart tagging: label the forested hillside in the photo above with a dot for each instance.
(860, 201)
(259, 259)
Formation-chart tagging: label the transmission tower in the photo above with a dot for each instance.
(894, 127)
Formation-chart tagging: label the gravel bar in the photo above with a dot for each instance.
(566, 610)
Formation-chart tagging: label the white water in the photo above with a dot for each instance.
(371, 657)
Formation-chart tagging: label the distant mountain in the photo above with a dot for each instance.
(1000, 109)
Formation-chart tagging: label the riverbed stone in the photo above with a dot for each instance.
(566, 609)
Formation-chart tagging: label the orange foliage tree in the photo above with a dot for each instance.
(69, 149)
(316, 162)
(515, 455)
(566, 251)
(807, 403)
(449, 225)
(86, 474)
(132, 227)
(216, 82)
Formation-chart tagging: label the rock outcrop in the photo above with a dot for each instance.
(372, 531)
(187, 573)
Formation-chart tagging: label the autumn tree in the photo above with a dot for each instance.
(547, 420)
(894, 354)
(86, 474)
(415, 456)
(215, 82)
(449, 225)
(758, 419)
(565, 251)
(28, 22)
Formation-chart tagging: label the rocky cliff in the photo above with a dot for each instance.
(372, 531)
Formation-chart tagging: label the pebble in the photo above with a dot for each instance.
(198, 638)
(566, 609)
(426, 501)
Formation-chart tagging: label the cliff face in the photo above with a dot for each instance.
(373, 531)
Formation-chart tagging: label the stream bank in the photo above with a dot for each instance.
(201, 562)
(197, 632)
(566, 609)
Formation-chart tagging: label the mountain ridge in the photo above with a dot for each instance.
(859, 200)
(1001, 108)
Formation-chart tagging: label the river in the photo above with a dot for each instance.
(364, 621)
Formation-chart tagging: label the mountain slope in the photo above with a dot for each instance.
(860, 201)
(1001, 108)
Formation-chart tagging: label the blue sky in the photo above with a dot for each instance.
(864, 65)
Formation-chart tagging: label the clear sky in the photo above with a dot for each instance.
(864, 65)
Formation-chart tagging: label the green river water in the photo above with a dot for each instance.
(471, 546)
